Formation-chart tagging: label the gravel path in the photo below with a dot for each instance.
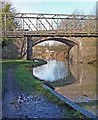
(17, 104)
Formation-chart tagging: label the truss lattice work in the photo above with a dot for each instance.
(62, 25)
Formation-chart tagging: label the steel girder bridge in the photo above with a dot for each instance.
(48, 25)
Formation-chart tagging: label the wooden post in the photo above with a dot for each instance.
(29, 48)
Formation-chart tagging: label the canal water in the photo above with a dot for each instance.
(75, 81)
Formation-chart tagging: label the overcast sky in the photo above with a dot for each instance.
(55, 6)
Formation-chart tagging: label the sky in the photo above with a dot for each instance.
(55, 6)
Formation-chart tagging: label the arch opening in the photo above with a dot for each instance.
(66, 41)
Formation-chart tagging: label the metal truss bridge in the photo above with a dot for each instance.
(48, 25)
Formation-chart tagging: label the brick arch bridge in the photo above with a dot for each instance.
(68, 41)
(79, 48)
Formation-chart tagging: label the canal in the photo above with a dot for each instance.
(75, 81)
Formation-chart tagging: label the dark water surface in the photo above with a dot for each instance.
(75, 81)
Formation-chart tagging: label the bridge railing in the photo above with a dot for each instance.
(40, 24)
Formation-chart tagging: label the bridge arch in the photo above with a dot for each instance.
(66, 41)
(71, 43)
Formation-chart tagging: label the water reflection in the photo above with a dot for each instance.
(65, 81)
(75, 81)
(84, 89)
(52, 71)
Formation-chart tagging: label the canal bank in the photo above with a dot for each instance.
(30, 103)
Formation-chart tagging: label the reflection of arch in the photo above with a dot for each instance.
(64, 82)
(63, 40)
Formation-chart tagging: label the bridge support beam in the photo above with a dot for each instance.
(29, 48)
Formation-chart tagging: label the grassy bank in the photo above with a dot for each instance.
(28, 83)
(15, 64)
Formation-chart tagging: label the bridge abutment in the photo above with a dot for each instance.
(84, 51)
(29, 48)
